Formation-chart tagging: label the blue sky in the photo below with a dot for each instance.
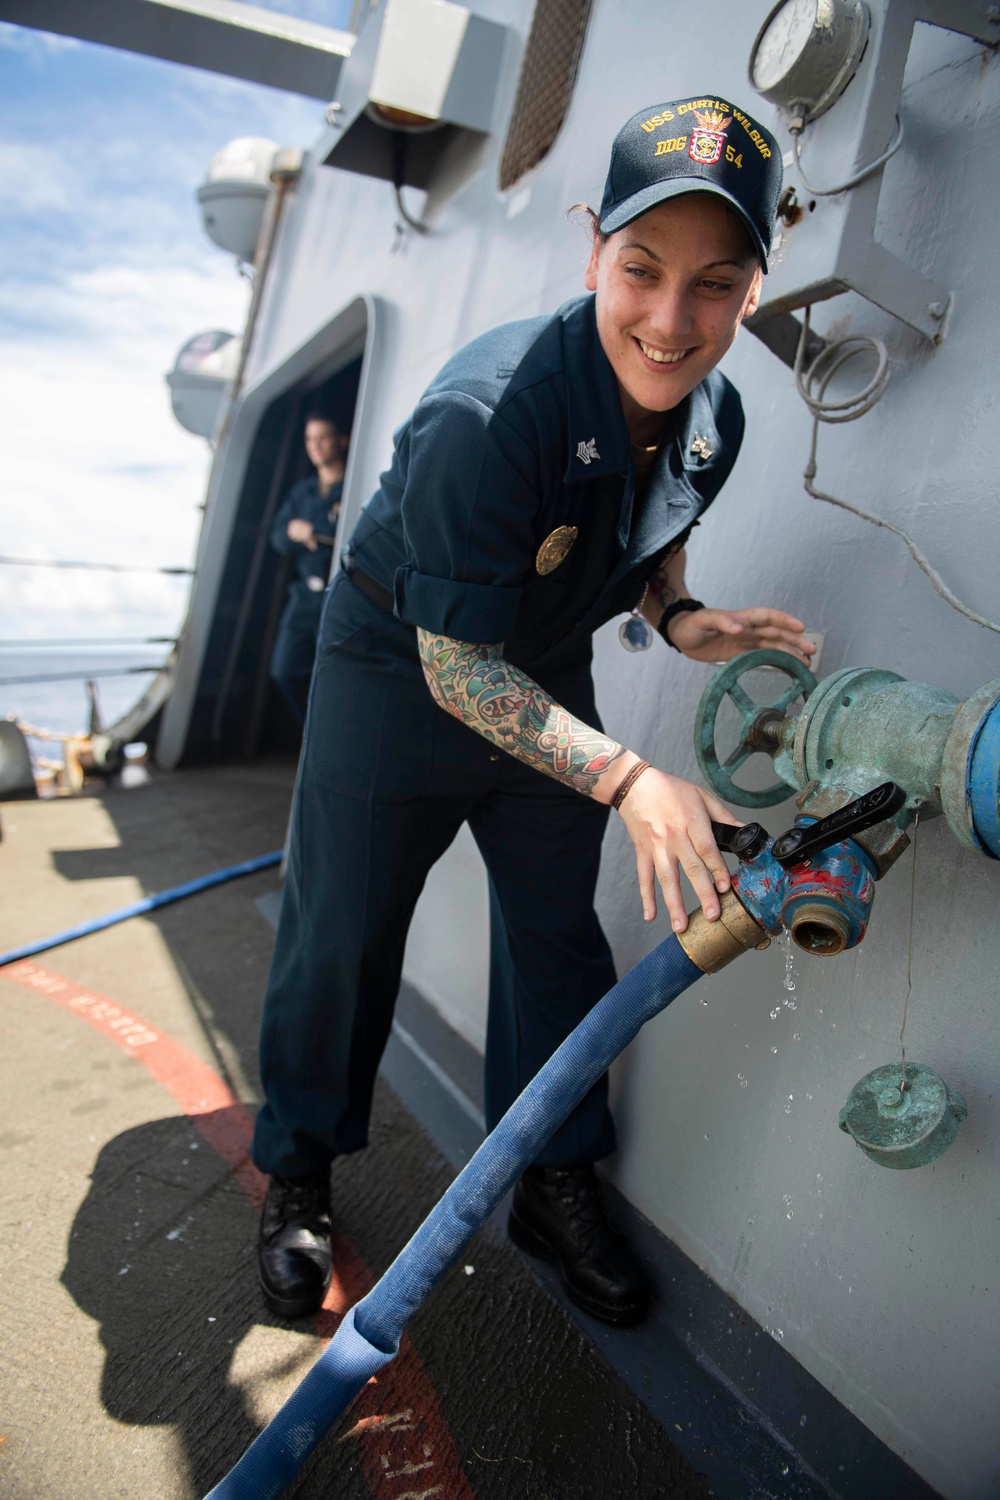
(104, 272)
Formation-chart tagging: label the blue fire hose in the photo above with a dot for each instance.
(370, 1334)
(137, 908)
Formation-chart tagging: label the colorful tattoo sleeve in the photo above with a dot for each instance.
(479, 688)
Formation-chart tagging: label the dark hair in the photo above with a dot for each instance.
(584, 211)
(317, 414)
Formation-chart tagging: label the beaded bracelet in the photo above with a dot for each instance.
(627, 783)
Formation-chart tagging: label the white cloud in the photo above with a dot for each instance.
(34, 43)
(34, 179)
(95, 466)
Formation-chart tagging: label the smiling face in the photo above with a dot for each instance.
(672, 288)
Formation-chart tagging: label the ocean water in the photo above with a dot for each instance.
(63, 706)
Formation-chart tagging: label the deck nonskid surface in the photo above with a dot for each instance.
(138, 1358)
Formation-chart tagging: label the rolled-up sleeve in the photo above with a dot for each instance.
(469, 502)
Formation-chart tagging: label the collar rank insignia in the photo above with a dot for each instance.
(587, 452)
(701, 447)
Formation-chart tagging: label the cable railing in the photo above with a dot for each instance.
(71, 642)
(108, 567)
(76, 676)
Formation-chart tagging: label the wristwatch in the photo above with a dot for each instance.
(680, 607)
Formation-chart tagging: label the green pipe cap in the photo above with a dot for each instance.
(906, 1127)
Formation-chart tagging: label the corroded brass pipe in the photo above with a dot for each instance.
(713, 945)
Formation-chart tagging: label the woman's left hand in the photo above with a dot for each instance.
(720, 634)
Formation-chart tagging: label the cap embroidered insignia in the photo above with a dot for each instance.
(705, 145)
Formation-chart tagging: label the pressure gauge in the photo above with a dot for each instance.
(806, 53)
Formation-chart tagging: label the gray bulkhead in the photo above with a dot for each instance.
(884, 1285)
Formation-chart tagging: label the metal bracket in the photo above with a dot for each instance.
(833, 249)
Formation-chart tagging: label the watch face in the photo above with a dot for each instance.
(782, 42)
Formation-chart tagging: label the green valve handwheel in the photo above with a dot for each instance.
(758, 721)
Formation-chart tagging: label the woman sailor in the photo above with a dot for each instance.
(542, 486)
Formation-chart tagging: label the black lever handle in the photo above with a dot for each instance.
(745, 842)
(799, 844)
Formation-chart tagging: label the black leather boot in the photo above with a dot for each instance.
(558, 1215)
(294, 1255)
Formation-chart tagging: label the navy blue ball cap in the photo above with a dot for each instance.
(695, 146)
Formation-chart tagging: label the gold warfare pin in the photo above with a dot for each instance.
(555, 548)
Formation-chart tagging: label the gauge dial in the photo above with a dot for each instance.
(785, 37)
(807, 52)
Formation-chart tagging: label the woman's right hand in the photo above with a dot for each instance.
(669, 822)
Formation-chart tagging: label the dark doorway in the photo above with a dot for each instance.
(239, 711)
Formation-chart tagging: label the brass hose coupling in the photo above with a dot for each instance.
(713, 945)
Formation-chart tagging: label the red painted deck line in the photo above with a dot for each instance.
(405, 1447)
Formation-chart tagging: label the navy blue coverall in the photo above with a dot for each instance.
(295, 643)
(522, 432)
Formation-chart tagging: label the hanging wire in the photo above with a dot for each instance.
(400, 144)
(75, 676)
(811, 382)
(852, 182)
(909, 952)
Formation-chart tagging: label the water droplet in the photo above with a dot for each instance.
(743, 1080)
(809, 1097)
(703, 1000)
(803, 1420)
(796, 1036)
(788, 1109)
(786, 1199)
(776, 1012)
(706, 1137)
(789, 1215)
(779, 1334)
(775, 1051)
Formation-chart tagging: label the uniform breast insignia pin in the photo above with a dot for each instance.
(587, 452)
(555, 548)
(701, 447)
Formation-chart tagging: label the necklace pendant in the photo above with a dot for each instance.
(635, 633)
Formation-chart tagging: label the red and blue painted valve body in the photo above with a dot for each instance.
(840, 879)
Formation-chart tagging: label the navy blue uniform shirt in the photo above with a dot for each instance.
(305, 503)
(521, 433)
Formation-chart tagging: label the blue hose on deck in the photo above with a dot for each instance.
(369, 1336)
(137, 908)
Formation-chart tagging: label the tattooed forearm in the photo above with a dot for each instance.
(478, 687)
